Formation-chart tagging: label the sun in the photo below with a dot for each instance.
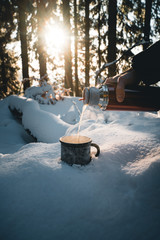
(55, 37)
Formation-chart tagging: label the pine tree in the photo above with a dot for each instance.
(40, 43)
(87, 43)
(67, 50)
(22, 9)
(130, 19)
(76, 49)
(99, 32)
(112, 22)
(147, 22)
(134, 25)
(99, 23)
(8, 66)
(155, 32)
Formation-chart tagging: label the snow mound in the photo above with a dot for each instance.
(44, 126)
(116, 196)
(43, 94)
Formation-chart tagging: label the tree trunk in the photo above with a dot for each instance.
(99, 34)
(76, 49)
(24, 45)
(67, 49)
(112, 20)
(147, 26)
(87, 25)
(3, 74)
(41, 50)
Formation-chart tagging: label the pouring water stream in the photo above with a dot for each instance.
(79, 124)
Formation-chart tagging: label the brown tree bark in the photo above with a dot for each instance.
(24, 45)
(67, 49)
(87, 25)
(40, 48)
(112, 20)
(76, 49)
(147, 26)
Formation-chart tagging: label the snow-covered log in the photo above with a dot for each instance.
(44, 126)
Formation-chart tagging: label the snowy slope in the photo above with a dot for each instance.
(116, 196)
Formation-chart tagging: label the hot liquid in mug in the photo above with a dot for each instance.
(76, 149)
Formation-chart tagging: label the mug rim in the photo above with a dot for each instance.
(64, 140)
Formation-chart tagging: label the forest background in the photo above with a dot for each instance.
(67, 41)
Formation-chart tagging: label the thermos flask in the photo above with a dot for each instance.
(140, 98)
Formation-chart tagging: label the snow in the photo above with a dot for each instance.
(36, 92)
(116, 196)
(44, 126)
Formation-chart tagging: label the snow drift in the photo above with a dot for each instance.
(116, 196)
(44, 126)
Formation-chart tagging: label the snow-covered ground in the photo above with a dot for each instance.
(115, 197)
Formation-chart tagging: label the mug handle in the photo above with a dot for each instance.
(97, 147)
